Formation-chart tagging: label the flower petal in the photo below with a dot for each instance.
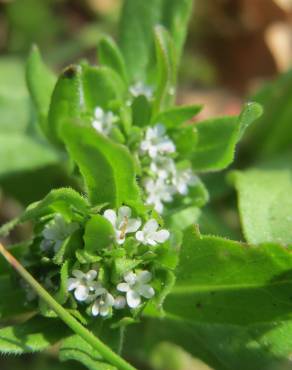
(130, 278)
(151, 226)
(72, 284)
(161, 236)
(144, 277)
(81, 293)
(120, 302)
(133, 225)
(98, 112)
(123, 287)
(95, 308)
(104, 310)
(91, 275)
(109, 299)
(78, 274)
(140, 236)
(133, 299)
(111, 216)
(123, 212)
(146, 291)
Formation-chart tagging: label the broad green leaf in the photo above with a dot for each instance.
(67, 101)
(107, 168)
(265, 204)
(166, 70)
(64, 201)
(175, 17)
(221, 346)
(110, 55)
(34, 335)
(173, 117)
(41, 82)
(221, 281)
(14, 99)
(75, 348)
(217, 138)
(273, 134)
(19, 152)
(79, 90)
(136, 34)
(98, 234)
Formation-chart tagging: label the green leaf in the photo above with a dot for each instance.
(173, 117)
(40, 81)
(67, 102)
(273, 134)
(175, 17)
(63, 200)
(136, 38)
(217, 138)
(34, 335)
(110, 55)
(141, 109)
(98, 234)
(166, 70)
(79, 90)
(75, 348)
(221, 281)
(107, 167)
(23, 153)
(265, 204)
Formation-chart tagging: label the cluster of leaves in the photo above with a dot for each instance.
(231, 302)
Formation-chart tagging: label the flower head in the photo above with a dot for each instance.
(156, 142)
(135, 287)
(163, 167)
(158, 192)
(182, 179)
(103, 121)
(151, 235)
(103, 304)
(56, 231)
(122, 222)
(140, 89)
(83, 284)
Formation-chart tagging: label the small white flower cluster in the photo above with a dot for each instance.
(135, 285)
(141, 89)
(103, 121)
(55, 232)
(89, 290)
(123, 224)
(165, 180)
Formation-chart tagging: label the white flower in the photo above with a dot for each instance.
(163, 167)
(140, 89)
(158, 191)
(156, 142)
(182, 179)
(103, 304)
(151, 235)
(83, 284)
(103, 121)
(122, 222)
(135, 286)
(56, 231)
(120, 302)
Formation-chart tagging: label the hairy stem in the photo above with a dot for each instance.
(69, 320)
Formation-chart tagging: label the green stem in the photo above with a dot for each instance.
(79, 329)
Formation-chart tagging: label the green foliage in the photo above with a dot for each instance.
(34, 335)
(40, 82)
(107, 168)
(265, 206)
(217, 138)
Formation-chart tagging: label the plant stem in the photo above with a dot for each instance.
(69, 320)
